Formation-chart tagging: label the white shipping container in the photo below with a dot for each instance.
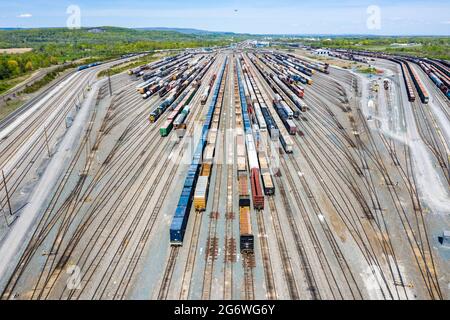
(201, 187)
(208, 154)
(251, 152)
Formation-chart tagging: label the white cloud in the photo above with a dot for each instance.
(25, 15)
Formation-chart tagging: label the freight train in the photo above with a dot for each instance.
(257, 194)
(423, 94)
(181, 215)
(440, 79)
(86, 66)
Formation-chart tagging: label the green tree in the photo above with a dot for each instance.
(29, 66)
(13, 66)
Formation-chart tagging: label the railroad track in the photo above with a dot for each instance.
(212, 243)
(248, 263)
(359, 230)
(285, 258)
(418, 239)
(121, 290)
(34, 153)
(167, 277)
(294, 230)
(128, 131)
(377, 159)
(193, 245)
(189, 267)
(265, 256)
(77, 201)
(230, 241)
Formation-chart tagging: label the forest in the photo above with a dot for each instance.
(52, 46)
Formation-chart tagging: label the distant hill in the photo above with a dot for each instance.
(191, 31)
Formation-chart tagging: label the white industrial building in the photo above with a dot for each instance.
(321, 52)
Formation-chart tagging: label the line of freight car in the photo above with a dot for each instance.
(441, 76)
(290, 113)
(441, 81)
(406, 78)
(312, 65)
(246, 238)
(288, 123)
(257, 195)
(151, 91)
(175, 67)
(291, 129)
(307, 73)
(276, 86)
(89, 66)
(423, 94)
(200, 199)
(292, 70)
(186, 98)
(160, 73)
(287, 75)
(253, 105)
(266, 177)
(288, 87)
(181, 216)
(179, 120)
(163, 106)
(205, 94)
(272, 127)
(179, 123)
(438, 64)
(152, 65)
(143, 87)
(186, 77)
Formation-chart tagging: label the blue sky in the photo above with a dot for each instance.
(397, 17)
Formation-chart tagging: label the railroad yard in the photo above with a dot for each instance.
(233, 173)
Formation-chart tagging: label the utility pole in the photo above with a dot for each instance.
(109, 82)
(46, 142)
(7, 194)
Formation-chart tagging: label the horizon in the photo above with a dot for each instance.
(175, 29)
(285, 17)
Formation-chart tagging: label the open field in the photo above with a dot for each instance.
(15, 50)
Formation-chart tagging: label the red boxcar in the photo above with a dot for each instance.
(257, 194)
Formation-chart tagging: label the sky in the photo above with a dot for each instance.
(394, 17)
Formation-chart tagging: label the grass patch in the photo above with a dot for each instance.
(5, 85)
(49, 77)
(367, 70)
(10, 106)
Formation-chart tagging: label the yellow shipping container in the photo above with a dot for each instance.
(206, 169)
